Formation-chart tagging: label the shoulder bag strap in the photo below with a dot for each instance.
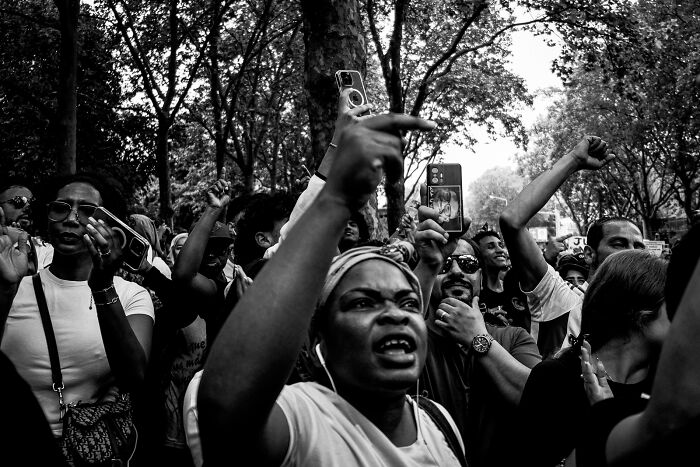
(445, 427)
(56, 375)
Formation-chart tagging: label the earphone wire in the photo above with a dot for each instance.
(325, 368)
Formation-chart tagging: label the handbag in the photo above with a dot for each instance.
(94, 434)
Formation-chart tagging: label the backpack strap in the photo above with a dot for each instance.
(444, 426)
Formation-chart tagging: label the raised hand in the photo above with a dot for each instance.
(595, 380)
(432, 242)
(591, 153)
(461, 321)
(218, 194)
(106, 252)
(555, 245)
(14, 262)
(241, 282)
(366, 151)
(348, 116)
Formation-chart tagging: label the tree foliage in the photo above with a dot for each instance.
(108, 140)
(190, 90)
(447, 61)
(634, 87)
(489, 195)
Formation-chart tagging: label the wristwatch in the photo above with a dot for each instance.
(482, 343)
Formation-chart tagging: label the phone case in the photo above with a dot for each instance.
(134, 246)
(445, 195)
(352, 79)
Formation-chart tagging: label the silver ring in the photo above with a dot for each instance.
(442, 316)
(106, 253)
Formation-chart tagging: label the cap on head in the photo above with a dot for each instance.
(576, 261)
(221, 232)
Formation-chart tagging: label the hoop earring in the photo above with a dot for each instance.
(325, 368)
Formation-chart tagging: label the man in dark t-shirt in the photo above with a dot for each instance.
(494, 267)
(476, 370)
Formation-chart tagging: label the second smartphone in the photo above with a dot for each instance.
(444, 185)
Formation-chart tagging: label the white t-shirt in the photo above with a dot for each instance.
(552, 298)
(162, 267)
(304, 200)
(190, 419)
(44, 253)
(325, 431)
(86, 372)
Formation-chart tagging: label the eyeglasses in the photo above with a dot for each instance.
(18, 202)
(60, 210)
(467, 263)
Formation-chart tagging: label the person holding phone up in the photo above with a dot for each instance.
(102, 323)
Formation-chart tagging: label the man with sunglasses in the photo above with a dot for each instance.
(16, 199)
(474, 369)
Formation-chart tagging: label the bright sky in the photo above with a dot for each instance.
(531, 59)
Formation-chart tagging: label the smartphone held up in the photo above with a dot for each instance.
(352, 79)
(134, 246)
(444, 186)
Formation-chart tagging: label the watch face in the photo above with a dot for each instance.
(481, 344)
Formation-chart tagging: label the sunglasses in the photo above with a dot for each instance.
(18, 202)
(218, 249)
(60, 210)
(467, 263)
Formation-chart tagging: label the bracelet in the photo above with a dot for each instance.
(104, 291)
(105, 296)
(333, 145)
(320, 175)
(109, 302)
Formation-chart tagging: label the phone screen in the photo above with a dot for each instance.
(445, 195)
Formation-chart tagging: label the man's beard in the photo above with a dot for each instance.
(458, 289)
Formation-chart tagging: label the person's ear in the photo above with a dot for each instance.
(518, 304)
(317, 355)
(262, 239)
(589, 254)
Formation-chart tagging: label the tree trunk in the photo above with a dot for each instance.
(163, 167)
(334, 41)
(395, 205)
(67, 87)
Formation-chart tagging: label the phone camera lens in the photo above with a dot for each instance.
(435, 180)
(136, 246)
(355, 98)
(346, 79)
(435, 170)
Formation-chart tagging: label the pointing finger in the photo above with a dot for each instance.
(561, 238)
(394, 123)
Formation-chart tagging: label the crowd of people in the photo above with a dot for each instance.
(275, 331)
